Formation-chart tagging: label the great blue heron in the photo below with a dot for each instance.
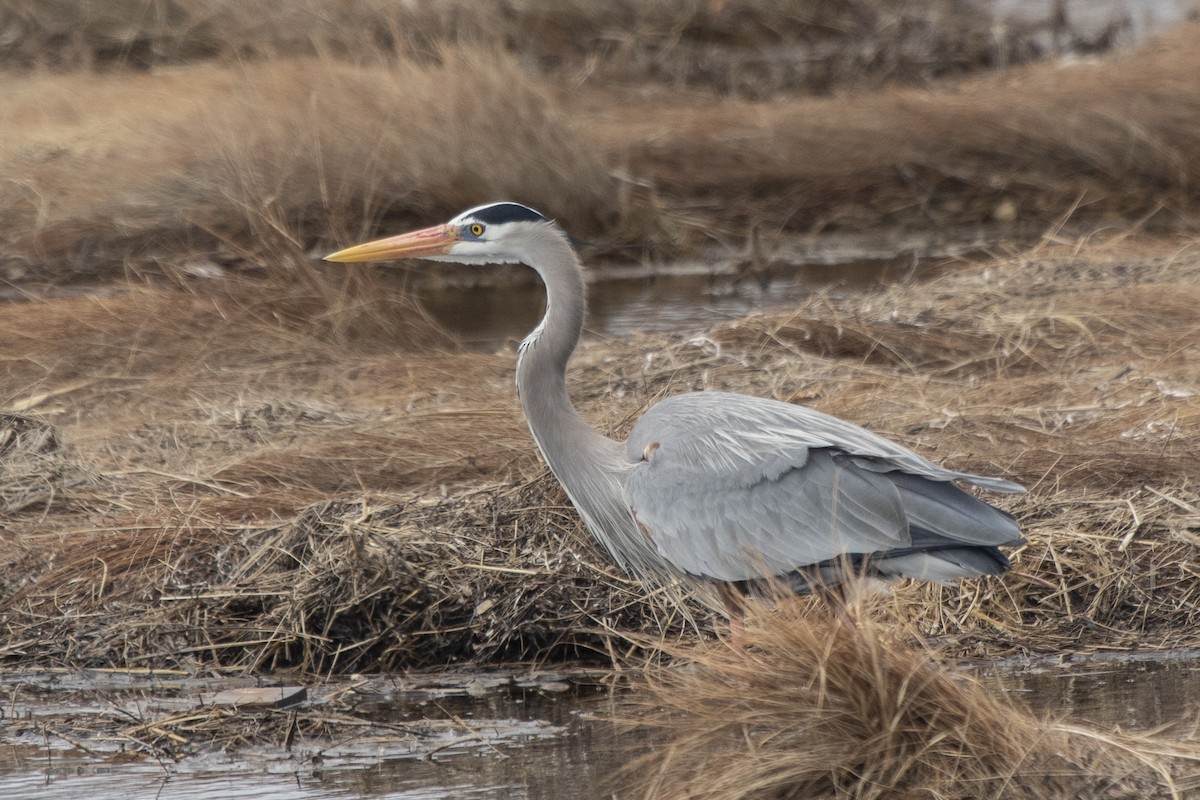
(719, 486)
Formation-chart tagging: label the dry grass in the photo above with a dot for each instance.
(34, 469)
(758, 47)
(207, 439)
(259, 392)
(221, 470)
(1118, 136)
(816, 708)
(252, 166)
(212, 166)
(490, 575)
(225, 441)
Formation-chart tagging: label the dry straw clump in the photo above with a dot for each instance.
(497, 574)
(35, 468)
(1112, 571)
(814, 707)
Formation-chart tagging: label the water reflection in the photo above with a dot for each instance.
(485, 735)
(632, 300)
(507, 735)
(1138, 691)
(490, 307)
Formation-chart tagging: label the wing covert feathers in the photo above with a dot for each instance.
(734, 488)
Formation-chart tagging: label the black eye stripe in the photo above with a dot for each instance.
(507, 212)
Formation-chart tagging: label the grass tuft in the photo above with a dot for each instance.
(816, 707)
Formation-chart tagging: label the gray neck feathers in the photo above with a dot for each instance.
(542, 363)
(590, 466)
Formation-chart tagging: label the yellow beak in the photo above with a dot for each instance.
(435, 241)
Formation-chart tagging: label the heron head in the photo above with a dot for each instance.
(487, 234)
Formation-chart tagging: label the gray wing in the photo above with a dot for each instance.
(734, 487)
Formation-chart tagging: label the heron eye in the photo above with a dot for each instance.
(476, 229)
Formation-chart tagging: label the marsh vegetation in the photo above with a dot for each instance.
(219, 455)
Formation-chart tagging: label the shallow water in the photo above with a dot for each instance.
(671, 299)
(1139, 691)
(489, 308)
(500, 734)
(481, 735)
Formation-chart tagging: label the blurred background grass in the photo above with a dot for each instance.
(159, 137)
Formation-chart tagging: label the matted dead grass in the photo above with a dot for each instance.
(492, 575)
(227, 489)
(36, 472)
(259, 390)
(819, 708)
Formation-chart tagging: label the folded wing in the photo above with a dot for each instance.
(733, 488)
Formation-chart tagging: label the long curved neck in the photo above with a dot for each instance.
(542, 363)
(591, 467)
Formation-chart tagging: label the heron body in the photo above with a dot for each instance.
(720, 486)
